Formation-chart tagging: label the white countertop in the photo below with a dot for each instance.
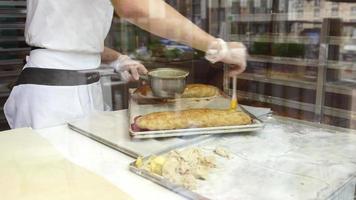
(295, 151)
(105, 162)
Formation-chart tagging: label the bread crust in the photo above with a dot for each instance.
(190, 91)
(199, 91)
(192, 118)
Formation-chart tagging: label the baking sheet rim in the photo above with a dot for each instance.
(187, 130)
(214, 132)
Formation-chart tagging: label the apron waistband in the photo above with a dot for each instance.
(35, 48)
(57, 77)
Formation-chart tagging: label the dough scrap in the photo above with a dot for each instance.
(223, 152)
(182, 167)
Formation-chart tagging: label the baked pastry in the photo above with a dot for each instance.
(190, 91)
(199, 91)
(192, 118)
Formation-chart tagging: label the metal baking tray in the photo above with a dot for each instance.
(137, 107)
(110, 129)
(165, 183)
(274, 163)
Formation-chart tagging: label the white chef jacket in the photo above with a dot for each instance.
(72, 33)
(68, 25)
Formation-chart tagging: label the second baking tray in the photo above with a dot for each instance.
(288, 160)
(218, 102)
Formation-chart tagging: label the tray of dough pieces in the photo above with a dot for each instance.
(187, 116)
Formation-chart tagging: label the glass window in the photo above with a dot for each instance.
(353, 10)
(316, 12)
(257, 3)
(282, 6)
(317, 3)
(269, 4)
(244, 3)
(334, 11)
(300, 3)
(300, 13)
(235, 9)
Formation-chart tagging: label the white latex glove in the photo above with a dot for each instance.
(233, 53)
(129, 69)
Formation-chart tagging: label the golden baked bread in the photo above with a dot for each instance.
(190, 91)
(193, 118)
(199, 91)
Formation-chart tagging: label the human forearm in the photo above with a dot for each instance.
(129, 69)
(161, 19)
(109, 55)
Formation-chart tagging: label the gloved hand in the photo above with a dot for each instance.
(233, 53)
(129, 69)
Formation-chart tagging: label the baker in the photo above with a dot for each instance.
(58, 82)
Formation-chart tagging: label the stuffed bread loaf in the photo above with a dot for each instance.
(192, 118)
(190, 91)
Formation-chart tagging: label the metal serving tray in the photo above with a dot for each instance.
(137, 108)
